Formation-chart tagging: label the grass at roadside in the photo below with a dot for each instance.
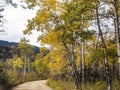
(62, 85)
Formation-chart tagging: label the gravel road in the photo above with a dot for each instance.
(34, 85)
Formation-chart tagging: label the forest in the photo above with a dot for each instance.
(83, 46)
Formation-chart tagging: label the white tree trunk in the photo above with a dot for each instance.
(108, 78)
(116, 20)
(28, 64)
(24, 71)
(83, 64)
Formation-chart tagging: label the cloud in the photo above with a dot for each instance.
(16, 23)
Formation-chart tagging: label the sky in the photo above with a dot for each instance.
(16, 22)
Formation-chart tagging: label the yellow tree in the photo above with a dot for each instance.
(40, 65)
(64, 18)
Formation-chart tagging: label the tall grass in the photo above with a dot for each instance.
(62, 85)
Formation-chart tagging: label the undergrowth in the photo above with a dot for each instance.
(62, 85)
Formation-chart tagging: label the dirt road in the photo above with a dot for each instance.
(34, 85)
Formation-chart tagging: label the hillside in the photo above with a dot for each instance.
(8, 44)
(5, 49)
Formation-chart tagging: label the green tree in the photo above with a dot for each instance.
(26, 53)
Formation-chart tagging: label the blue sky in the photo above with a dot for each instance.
(16, 23)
